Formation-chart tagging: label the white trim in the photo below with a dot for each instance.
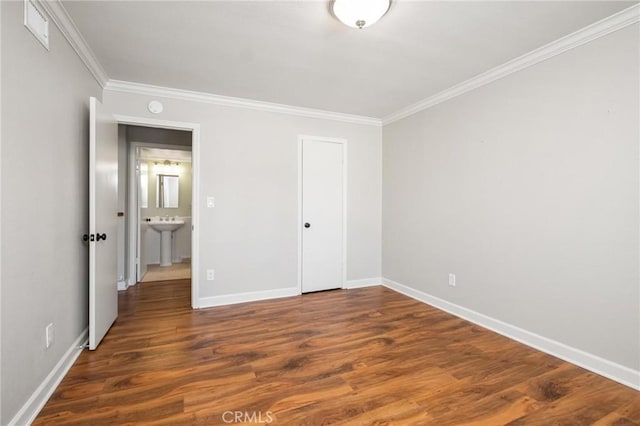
(209, 98)
(67, 27)
(195, 217)
(299, 222)
(366, 282)
(157, 123)
(41, 395)
(345, 173)
(589, 33)
(37, 5)
(132, 217)
(1, 399)
(230, 299)
(594, 363)
(122, 285)
(345, 209)
(195, 186)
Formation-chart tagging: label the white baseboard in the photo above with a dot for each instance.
(366, 282)
(601, 366)
(229, 299)
(122, 285)
(39, 398)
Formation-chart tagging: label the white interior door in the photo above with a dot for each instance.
(103, 223)
(322, 215)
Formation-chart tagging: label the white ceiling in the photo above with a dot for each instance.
(297, 53)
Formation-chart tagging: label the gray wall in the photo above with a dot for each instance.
(44, 214)
(527, 190)
(249, 164)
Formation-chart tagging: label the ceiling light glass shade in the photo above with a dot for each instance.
(360, 13)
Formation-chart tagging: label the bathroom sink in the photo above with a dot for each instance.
(163, 225)
(166, 228)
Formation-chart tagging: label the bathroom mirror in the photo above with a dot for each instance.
(167, 193)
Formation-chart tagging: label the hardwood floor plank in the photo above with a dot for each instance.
(350, 357)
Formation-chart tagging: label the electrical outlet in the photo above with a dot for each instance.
(211, 274)
(452, 280)
(48, 333)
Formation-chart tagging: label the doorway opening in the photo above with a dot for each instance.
(157, 186)
(164, 203)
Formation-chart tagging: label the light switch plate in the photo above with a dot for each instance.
(211, 202)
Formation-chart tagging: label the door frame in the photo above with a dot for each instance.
(345, 162)
(194, 128)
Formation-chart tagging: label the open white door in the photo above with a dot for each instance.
(103, 224)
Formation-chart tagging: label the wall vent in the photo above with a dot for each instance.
(37, 22)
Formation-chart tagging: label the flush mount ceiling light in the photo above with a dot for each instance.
(360, 13)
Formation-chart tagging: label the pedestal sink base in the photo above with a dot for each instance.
(165, 248)
(165, 228)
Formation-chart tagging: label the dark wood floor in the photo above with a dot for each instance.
(357, 357)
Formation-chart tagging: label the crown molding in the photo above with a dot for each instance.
(188, 95)
(67, 27)
(587, 34)
(63, 21)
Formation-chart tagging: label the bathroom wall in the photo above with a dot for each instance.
(184, 202)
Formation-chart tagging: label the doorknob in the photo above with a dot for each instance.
(101, 237)
(307, 225)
